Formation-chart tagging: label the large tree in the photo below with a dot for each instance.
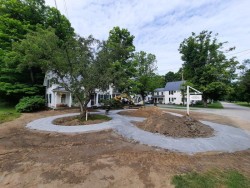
(120, 49)
(17, 18)
(171, 76)
(206, 66)
(145, 65)
(245, 83)
(75, 64)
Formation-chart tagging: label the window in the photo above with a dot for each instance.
(171, 99)
(48, 83)
(63, 98)
(171, 92)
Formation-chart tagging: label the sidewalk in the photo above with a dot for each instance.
(226, 138)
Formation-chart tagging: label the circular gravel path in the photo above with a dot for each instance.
(225, 139)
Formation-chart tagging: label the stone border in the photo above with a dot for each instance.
(225, 139)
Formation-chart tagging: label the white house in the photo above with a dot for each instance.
(170, 94)
(57, 96)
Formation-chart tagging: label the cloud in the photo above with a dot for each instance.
(160, 26)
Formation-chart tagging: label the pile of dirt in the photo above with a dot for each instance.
(164, 123)
(76, 120)
(141, 112)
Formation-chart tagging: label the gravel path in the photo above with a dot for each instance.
(226, 138)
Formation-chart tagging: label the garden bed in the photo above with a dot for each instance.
(76, 120)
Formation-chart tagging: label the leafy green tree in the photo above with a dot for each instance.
(145, 66)
(17, 17)
(156, 81)
(245, 85)
(75, 65)
(120, 49)
(206, 66)
(59, 22)
(171, 76)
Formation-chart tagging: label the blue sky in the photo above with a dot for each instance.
(159, 26)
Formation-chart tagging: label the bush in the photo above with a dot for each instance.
(199, 103)
(30, 104)
(112, 103)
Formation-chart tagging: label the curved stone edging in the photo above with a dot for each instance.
(226, 138)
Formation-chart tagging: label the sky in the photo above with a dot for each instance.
(159, 26)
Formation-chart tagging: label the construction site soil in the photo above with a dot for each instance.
(101, 159)
(164, 123)
(75, 120)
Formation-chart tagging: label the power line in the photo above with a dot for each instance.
(55, 4)
(66, 9)
(240, 52)
(244, 54)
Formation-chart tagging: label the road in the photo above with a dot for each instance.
(230, 110)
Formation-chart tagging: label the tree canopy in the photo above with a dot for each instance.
(145, 65)
(75, 64)
(206, 66)
(120, 49)
(171, 76)
(17, 18)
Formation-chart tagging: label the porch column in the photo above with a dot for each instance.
(97, 99)
(55, 97)
(70, 100)
(111, 92)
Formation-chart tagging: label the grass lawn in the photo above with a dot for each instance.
(216, 105)
(7, 112)
(243, 104)
(212, 179)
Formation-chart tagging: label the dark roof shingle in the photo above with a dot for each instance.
(172, 86)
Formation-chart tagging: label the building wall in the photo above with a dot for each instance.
(55, 100)
(173, 97)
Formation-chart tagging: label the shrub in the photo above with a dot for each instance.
(30, 104)
(112, 103)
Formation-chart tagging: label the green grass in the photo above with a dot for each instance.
(243, 104)
(7, 112)
(216, 105)
(212, 179)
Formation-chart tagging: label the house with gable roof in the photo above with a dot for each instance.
(170, 94)
(57, 96)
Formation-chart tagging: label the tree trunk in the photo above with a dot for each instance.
(143, 97)
(31, 75)
(83, 107)
(205, 102)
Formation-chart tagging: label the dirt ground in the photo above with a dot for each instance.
(167, 124)
(103, 159)
(75, 120)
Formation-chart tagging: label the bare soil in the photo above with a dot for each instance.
(102, 159)
(170, 125)
(75, 120)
